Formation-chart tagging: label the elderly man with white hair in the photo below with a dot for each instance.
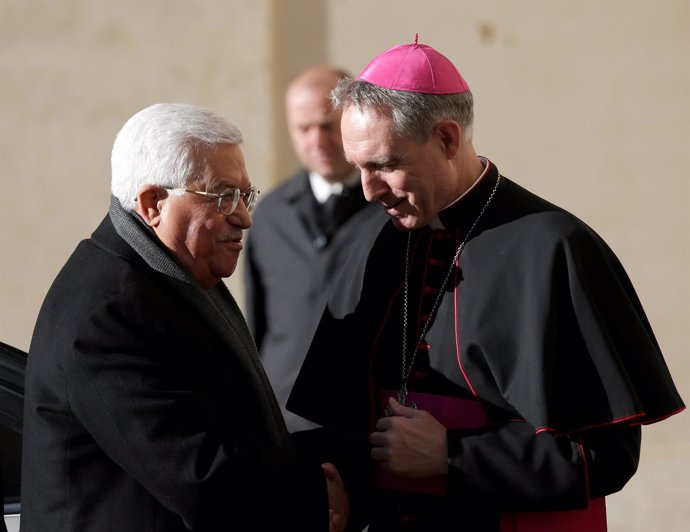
(146, 406)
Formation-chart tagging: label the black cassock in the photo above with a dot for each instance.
(539, 326)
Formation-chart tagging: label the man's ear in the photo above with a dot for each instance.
(450, 135)
(149, 198)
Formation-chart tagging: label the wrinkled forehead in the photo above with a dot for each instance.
(367, 134)
(366, 117)
(223, 167)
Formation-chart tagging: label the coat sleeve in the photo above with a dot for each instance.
(519, 470)
(149, 398)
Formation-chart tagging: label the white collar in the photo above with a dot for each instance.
(435, 222)
(322, 189)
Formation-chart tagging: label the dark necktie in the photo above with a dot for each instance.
(328, 217)
(330, 214)
(337, 209)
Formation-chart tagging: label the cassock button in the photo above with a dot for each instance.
(435, 262)
(430, 290)
(423, 318)
(421, 346)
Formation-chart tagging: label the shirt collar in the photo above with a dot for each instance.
(322, 189)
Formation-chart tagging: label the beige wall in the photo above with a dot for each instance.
(585, 102)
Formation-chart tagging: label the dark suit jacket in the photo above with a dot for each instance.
(290, 265)
(142, 414)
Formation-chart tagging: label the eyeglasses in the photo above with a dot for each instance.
(228, 200)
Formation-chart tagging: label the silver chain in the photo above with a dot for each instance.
(407, 370)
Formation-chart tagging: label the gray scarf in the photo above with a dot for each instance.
(216, 304)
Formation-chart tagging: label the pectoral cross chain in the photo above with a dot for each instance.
(402, 398)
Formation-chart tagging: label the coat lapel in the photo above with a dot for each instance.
(225, 318)
(121, 233)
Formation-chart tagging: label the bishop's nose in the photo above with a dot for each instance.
(372, 186)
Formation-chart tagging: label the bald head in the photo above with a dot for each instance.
(317, 77)
(313, 124)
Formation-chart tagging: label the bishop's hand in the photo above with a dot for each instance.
(410, 443)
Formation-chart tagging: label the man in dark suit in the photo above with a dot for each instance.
(302, 232)
(146, 406)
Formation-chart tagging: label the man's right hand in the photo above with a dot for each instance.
(338, 501)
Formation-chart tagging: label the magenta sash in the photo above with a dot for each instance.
(457, 413)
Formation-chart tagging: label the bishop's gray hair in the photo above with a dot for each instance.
(414, 114)
(166, 145)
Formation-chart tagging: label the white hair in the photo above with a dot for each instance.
(165, 145)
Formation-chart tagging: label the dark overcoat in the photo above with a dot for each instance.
(146, 408)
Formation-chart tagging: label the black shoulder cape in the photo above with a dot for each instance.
(542, 323)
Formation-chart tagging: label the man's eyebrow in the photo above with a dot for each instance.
(223, 185)
(383, 161)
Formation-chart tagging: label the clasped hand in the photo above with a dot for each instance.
(410, 443)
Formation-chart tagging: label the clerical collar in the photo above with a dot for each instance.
(435, 222)
(322, 189)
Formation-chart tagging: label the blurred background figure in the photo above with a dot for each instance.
(302, 231)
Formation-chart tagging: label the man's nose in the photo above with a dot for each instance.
(240, 216)
(372, 186)
(319, 137)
